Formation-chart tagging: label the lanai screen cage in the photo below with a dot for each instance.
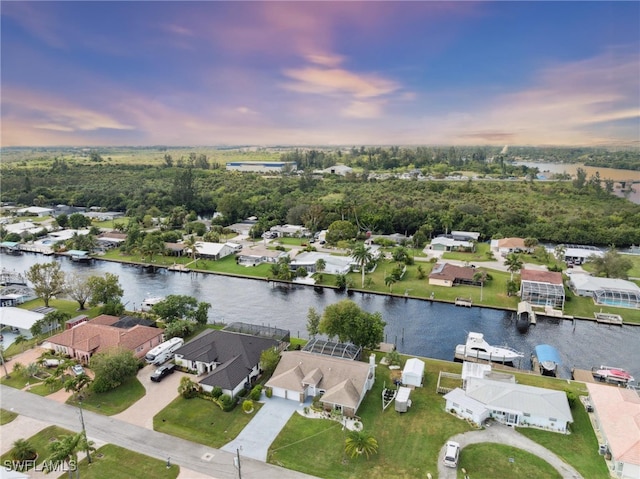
(543, 294)
(618, 297)
(282, 335)
(330, 348)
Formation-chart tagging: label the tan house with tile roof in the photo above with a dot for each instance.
(343, 383)
(83, 341)
(445, 274)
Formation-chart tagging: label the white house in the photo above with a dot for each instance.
(262, 166)
(413, 372)
(333, 264)
(214, 251)
(511, 404)
(617, 414)
(443, 243)
(608, 291)
(296, 231)
(35, 211)
(21, 319)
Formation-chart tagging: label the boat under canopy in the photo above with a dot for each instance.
(548, 358)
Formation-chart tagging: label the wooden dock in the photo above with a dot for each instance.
(608, 318)
(464, 302)
(583, 375)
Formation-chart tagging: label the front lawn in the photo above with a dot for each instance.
(409, 443)
(489, 461)
(114, 401)
(40, 441)
(114, 462)
(480, 254)
(7, 416)
(202, 421)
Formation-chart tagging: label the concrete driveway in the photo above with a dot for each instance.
(501, 434)
(257, 436)
(157, 397)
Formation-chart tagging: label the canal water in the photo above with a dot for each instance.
(417, 327)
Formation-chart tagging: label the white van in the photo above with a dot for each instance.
(452, 451)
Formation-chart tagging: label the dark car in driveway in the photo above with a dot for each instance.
(162, 371)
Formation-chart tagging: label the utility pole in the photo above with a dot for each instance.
(236, 460)
(84, 432)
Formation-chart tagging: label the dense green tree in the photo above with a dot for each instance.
(78, 221)
(176, 306)
(152, 245)
(48, 280)
(349, 323)
(611, 264)
(62, 220)
(112, 368)
(180, 328)
(201, 315)
(341, 230)
(105, 289)
(23, 450)
(269, 359)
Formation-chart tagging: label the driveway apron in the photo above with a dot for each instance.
(257, 436)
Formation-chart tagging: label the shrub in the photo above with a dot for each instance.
(256, 392)
(269, 392)
(247, 406)
(23, 450)
(188, 389)
(227, 402)
(217, 392)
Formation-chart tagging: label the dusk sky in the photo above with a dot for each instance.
(326, 73)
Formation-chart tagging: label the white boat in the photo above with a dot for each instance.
(148, 303)
(612, 375)
(476, 347)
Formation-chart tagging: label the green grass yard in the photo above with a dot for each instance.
(113, 462)
(114, 401)
(202, 421)
(40, 441)
(7, 416)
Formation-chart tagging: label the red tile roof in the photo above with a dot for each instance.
(452, 272)
(552, 277)
(98, 335)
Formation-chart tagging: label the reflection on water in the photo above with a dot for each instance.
(416, 327)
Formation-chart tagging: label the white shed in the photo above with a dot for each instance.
(412, 372)
(403, 403)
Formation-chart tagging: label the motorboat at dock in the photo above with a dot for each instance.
(612, 375)
(547, 359)
(477, 348)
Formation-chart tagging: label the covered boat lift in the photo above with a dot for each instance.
(547, 359)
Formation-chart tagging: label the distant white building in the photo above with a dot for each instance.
(295, 231)
(341, 170)
(214, 251)
(333, 264)
(262, 167)
(35, 211)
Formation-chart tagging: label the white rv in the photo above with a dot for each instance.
(163, 352)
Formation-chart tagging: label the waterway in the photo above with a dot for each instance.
(417, 327)
(549, 169)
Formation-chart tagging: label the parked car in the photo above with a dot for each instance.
(162, 371)
(451, 454)
(77, 369)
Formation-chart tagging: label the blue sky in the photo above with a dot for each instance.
(325, 73)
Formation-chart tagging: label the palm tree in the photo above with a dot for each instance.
(389, 280)
(190, 244)
(23, 450)
(20, 339)
(321, 265)
(77, 383)
(66, 448)
(480, 277)
(514, 263)
(151, 245)
(360, 442)
(362, 256)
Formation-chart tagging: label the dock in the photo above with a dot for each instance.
(526, 312)
(608, 318)
(549, 312)
(179, 268)
(464, 302)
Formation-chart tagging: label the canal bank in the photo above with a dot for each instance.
(417, 327)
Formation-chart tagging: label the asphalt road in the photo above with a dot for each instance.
(206, 460)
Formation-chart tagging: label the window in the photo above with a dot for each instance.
(526, 414)
(468, 411)
(552, 419)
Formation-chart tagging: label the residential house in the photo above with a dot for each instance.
(465, 235)
(175, 249)
(342, 383)
(578, 254)
(111, 239)
(445, 274)
(617, 418)
(215, 251)
(506, 246)
(35, 211)
(511, 404)
(229, 360)
(21, 320)
(607, 291)
(258, 254)
(102, 333)
(542, 288)
(447, 243)
(333, 264)
(290, 231)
